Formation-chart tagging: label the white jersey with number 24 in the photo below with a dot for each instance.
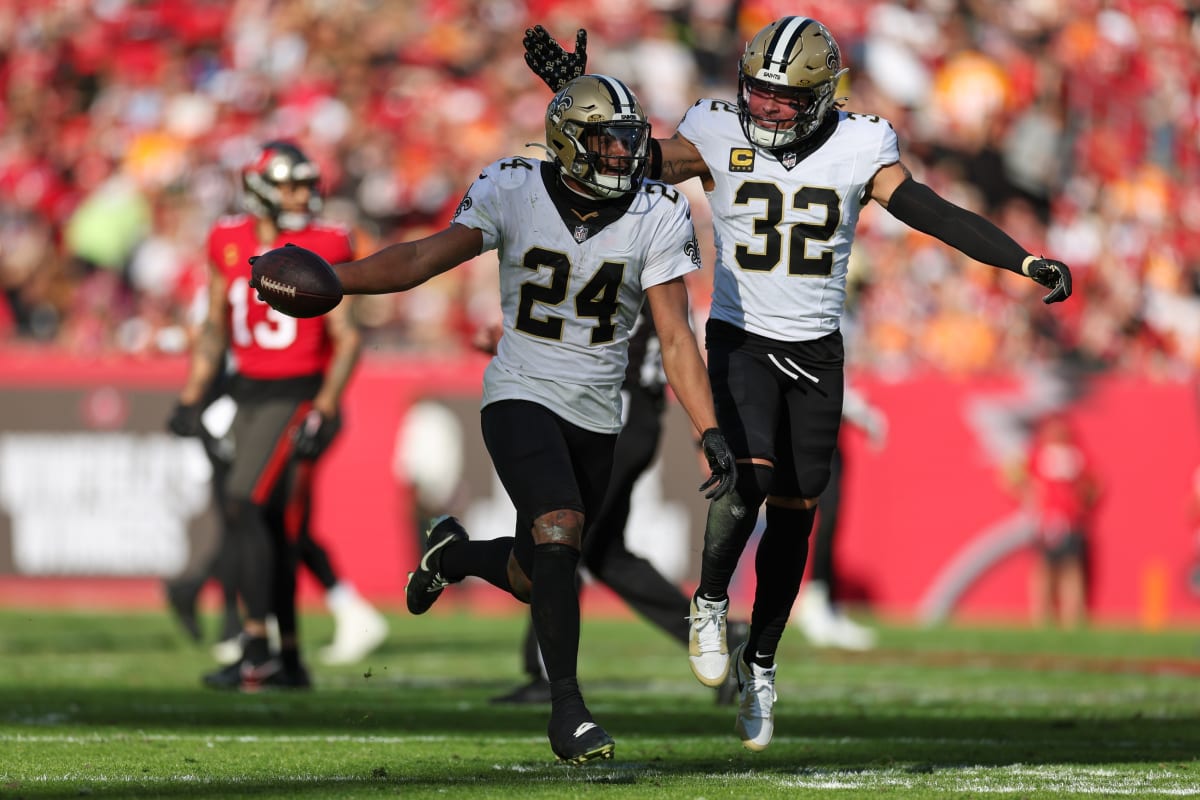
(569, 299)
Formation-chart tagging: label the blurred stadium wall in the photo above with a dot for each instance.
(97, 501)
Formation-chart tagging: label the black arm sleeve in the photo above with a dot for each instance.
(921, 208)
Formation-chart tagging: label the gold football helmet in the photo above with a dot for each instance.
(598, 133)
(797, 61)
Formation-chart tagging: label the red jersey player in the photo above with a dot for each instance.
(288, 376)
(1063, 490)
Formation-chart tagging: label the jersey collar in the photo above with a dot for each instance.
(583, 216)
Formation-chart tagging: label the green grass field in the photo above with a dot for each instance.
(106, 705)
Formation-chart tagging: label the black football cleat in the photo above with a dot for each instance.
(535, 692)
(256, 677)
(576, 738)
(266, 677)
(246, 677)
(425, 585)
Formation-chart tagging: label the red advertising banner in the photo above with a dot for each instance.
(92, 488)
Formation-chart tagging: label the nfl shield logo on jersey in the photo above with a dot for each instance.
(581, 233)
(788, 160)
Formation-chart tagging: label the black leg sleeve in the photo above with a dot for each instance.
(485, 558)
(731, 520)
(778, 566)
(555, 605)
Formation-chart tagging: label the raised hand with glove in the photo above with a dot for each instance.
(549, 61)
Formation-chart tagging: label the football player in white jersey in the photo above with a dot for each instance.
(583, 240)
(786, 172)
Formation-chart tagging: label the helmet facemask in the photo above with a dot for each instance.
(280, 163)
(611, 157)
(808, 106)
(599, 135)
(796, 62)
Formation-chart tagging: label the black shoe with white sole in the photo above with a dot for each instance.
(576, 738)
(425, 585)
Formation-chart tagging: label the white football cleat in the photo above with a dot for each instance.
(708, 650)
(756, 703)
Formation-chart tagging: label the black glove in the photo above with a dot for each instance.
(185, 419)
(1054, 275)
(549, 61)
(315, 434)
(720, 461)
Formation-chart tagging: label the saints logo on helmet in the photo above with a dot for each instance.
(598, 133)
(796, 62)
(277, 163)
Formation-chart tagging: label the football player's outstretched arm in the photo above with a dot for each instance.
(399, 267)
(923, 209)
(688, 378)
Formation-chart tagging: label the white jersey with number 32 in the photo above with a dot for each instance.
(571, 299)
(783, 231)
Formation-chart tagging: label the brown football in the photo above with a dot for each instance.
(295, 281)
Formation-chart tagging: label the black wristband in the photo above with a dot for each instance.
(654, 168)
(921, 208)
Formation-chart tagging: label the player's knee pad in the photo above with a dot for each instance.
(562, 526)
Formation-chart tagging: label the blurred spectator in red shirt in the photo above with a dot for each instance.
(1062, 490)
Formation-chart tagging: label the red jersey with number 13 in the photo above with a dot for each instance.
(266, 344)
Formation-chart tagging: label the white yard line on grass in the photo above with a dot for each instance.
(1003, 780)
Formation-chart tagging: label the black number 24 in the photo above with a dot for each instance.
(599, 299)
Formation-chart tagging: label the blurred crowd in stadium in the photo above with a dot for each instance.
(1073, 124)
